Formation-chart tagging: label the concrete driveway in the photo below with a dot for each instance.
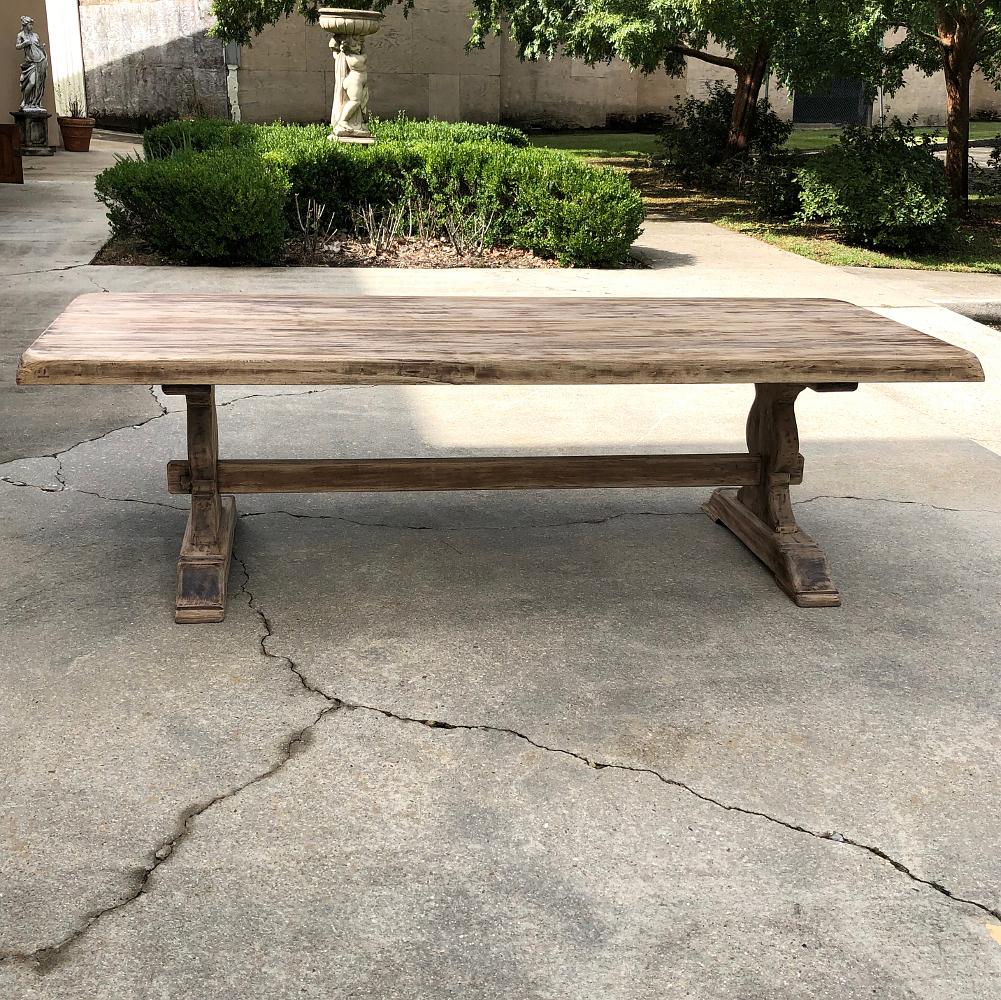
(543, 745)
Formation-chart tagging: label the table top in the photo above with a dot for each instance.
(140, 338)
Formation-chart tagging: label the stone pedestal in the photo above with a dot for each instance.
(34, 129)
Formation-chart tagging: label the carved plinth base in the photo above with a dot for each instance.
(34, 129)
(363, 140)
(761, 515)
(797, 561)
(202, 575)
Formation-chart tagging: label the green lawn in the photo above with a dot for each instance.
(976, 247)
(809, 139)
(599, 144)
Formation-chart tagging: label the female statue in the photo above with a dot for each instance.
(35, 67)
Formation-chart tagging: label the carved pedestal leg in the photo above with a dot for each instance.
(761, 516)
(203, 566)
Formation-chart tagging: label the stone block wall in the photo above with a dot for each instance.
(147, 60)
(419, 65)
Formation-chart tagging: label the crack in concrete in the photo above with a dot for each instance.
(282, 395)
(64, 488)
(47, 270)
(164, 412)
(599, 765)
(336, 701)
(47, 957)
(894, 500)
(268, 632)
(475, 527)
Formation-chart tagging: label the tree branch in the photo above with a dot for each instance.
(684, 50)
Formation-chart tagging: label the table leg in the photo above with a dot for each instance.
(203, 566)
(761, 516)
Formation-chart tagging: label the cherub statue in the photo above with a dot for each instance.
(34, 69)
(350, 109)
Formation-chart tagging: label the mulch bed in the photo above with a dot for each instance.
(347, 252)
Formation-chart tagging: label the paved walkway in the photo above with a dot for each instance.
(515, 746)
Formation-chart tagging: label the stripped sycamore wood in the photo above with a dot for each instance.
(207, 546)
(550, 472)
(761, 514)
(301, 340)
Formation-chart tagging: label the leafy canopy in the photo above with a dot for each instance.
(809, 41)
(239, 20)
(932, 27)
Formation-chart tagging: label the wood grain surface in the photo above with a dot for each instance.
(307, 340)
(381, 475)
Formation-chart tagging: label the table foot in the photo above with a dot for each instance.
(798, 562)
(202, 575)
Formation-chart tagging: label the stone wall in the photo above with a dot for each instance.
(419, 65)
(151, 59)
(146, 60)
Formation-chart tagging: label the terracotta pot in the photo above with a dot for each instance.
(76, 133)
(350, 23)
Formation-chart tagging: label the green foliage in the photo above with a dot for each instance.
(541, 200)
(193, 135)
(404, 129)
(582, 216)
(775, 188)
(879, 188)
(215, 207)
(694, 141)
(809, 43)
(239, 20)
(932, 28)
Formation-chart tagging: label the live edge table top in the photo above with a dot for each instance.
(302, 340)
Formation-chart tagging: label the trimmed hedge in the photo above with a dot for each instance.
(403, 129)
(194, 135)
(200, 134)
(879, 187)
(542, 200)
(219, 206)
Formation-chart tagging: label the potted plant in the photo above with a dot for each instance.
(76, 129)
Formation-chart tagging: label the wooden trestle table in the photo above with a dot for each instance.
(191, 343)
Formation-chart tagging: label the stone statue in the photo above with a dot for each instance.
(34, 69)
(350, 108)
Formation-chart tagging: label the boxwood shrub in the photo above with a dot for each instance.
(880, 186)
(541, 200)
(403, 129)
(199, 134)
(218, 206)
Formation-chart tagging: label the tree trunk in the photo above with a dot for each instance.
(749, 82)
(957, 157)
(959, 56)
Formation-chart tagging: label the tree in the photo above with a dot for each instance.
(805, 42)
(956, 37)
